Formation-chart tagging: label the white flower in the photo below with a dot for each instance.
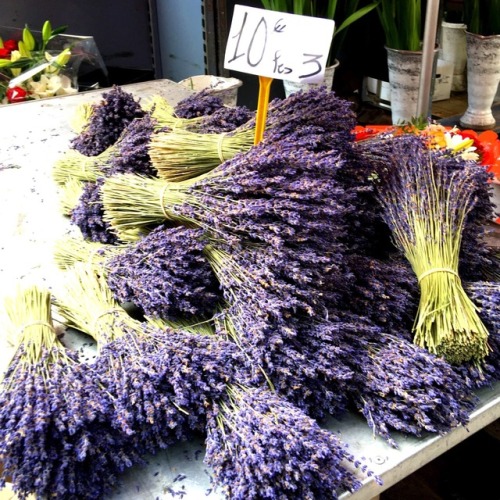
(50, 85)
(460, 145)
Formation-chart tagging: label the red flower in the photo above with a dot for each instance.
(16, 94)
(10, 44)
(8, 47)
(490, 145)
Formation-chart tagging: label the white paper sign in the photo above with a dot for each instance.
(278, 45)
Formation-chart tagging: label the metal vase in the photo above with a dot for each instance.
(483, 76)
(405, 67)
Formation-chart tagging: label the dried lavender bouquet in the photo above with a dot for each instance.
(182, 154)
(275, 192)
(165, 274)
(261, 446)
(399, 386)
(56, 439)
(129, 153)
(159, 380)
(273, 319)
(108, 119)
(426, 201)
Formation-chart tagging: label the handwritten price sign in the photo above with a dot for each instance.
(278, 45)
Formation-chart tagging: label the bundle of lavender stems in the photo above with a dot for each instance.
(56, 437)
(245, 436)
(426, 202)
(284, 253)
(182, 154)
(147, 371)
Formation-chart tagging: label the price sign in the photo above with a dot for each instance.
(278, 45)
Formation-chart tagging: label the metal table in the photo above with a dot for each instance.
(34, 134)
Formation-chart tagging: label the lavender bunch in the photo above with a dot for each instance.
(185, 153)
(274, 194)
(128, 154)
(225, 119)
(54, 439)
(202, 103)
(194, 370)
(425, 205)
(400, 386)
(315, 107)
(165, 274)
(125, 369)
(159, 381)
(246, 449)
(132, 149)
(108, 120)
(141, 407)
(275, 322)
(88, 215)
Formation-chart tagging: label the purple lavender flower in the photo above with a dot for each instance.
(132, 149)
(260, 446)
(165, 274)
(202, 103)
(400, 386)
(225, 119)
(88, 215)
(108, 120)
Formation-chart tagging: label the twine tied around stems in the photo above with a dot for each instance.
(37, 323)
(437, 270)
(219, 146)
(162, 203)
(105, 313)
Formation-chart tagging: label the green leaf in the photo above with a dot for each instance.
(28, 39)
(401, 23)
(356, 15)
(46, 32)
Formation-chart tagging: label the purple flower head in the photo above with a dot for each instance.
(108, 120)
(165, 274)
(260, 446)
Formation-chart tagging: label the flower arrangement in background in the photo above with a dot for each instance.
(19, 57)
(481, 147)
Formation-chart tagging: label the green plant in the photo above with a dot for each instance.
(482, 16)
(18, 56)
(401, 22)
(343, 12)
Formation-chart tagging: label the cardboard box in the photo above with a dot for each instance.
(443, 80)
